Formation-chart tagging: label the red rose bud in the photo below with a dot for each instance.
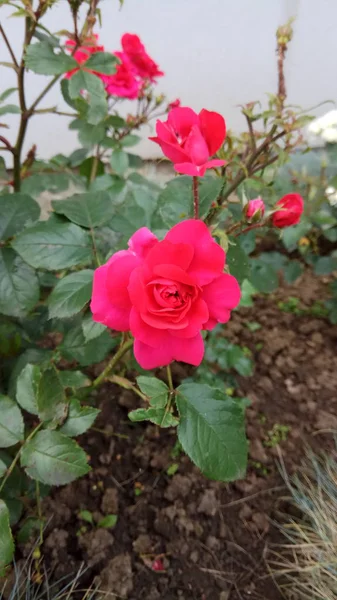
(190, 140)
(254, 210)
(175, 104)
(291, 208)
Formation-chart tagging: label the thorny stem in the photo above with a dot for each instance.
(195, 188)
(17, 456)
(113, 362)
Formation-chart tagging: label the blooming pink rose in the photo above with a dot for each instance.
(166, 293)
(84, 52)
(123, 83)
(255, 208)
(143, 63)
(292, 207)
(189, 140)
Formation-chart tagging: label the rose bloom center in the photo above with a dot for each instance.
(170, 297)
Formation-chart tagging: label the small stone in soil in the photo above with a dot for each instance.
(209, 504)
(109, 503)
(117, 578)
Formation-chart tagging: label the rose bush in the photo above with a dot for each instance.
(166, 292)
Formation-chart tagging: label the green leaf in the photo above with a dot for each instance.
(87, 166)
(88, 210)
(74, 379)
(158, 416)
(325, 265)
(130, 140)
(89, 135)
(263, 276)
(115, 121)
(7, 93)
(108, 522)
(51, 400)
(80, 418)
(155, 389)
(90, 328)
(6, 539)
(19, 286)
(92, 352)
(70, 294)
(209, 190)
(175, 201)
(29, 529)
(119, 161)
(291, 235)
(17, 212)
(98, 106)
(27, 385)
(238, 261)
(41, 58)
(3, 467)
(9, 109)
(102, 62)
(212, 431)
(11, 423)
(54, 245)
(53, 458)
(86, 516)
(247, 293)
(293, 271)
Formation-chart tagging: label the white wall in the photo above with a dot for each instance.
(215, 53)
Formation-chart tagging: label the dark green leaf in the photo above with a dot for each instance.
(90, 328)
(119, 161)
(80, 418)
(155, 389)
(42, 59)
(54, 245)
(11, 423)
(175, 201)
(90, 165)
(212, 431)
(6, 539)
(77, 157)
(51, 400)
(292, 271)
(53, 458)
(28, 530)
(209, 190)
(130, 140)
(92, 352)
(70, 294)
(98, 106)
(115, 121)
(73, 379)
(88, 210)
(263, 276)
(291, 235)
(27, 386)
(159, 416)
(15, 507)
(237, 261)
(102, 62)
(19, 286)
(325, 265)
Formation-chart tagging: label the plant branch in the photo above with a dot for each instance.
(169, 378)
(113, 362)
(9, 47)
(195, 187)
(17, 456)
(9, 147)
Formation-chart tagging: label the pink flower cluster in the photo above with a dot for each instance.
(166, 292)
(134, 70)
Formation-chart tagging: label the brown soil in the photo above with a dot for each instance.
(209, 538)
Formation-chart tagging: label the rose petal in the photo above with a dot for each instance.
(196, 147)
(142, 241)
(221, 296)
(179, 254)
(187, 168)
(118, 276)
(190, 351)
(213, 129)
(181, 120)
(101, 307)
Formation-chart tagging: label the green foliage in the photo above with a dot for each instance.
(19, 286)
(70, 294)
(88, 210)
(211, 431)
(6, 540)
(43, 59)
(80, 418)
(11, 424)
(17, 212)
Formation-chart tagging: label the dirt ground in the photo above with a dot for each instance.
(180, 536)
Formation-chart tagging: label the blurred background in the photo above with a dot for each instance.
(216, 54)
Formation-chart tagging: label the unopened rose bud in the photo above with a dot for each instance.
(254, 210)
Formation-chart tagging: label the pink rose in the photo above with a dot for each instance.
(123, 83)
(166, 293)
(292, 207)
(84, 52)
(189, 140)
(174, 104)
(255, 209)
(146, 67)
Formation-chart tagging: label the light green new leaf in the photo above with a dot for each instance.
(70, 294)
(51, 400)
(155, 389)
(119, 162)
(43, 59)
(27, 385)
(80, 418)
(11, 423)
(212, 432)
(9, 109)
(53, 458)
(17, 212)
(53, 245)
(6, 539)
(88, 210)
(102, 62)
(19, 286)
(159, 416)
(90, 328)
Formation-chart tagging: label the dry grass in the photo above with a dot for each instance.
(305, 566)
